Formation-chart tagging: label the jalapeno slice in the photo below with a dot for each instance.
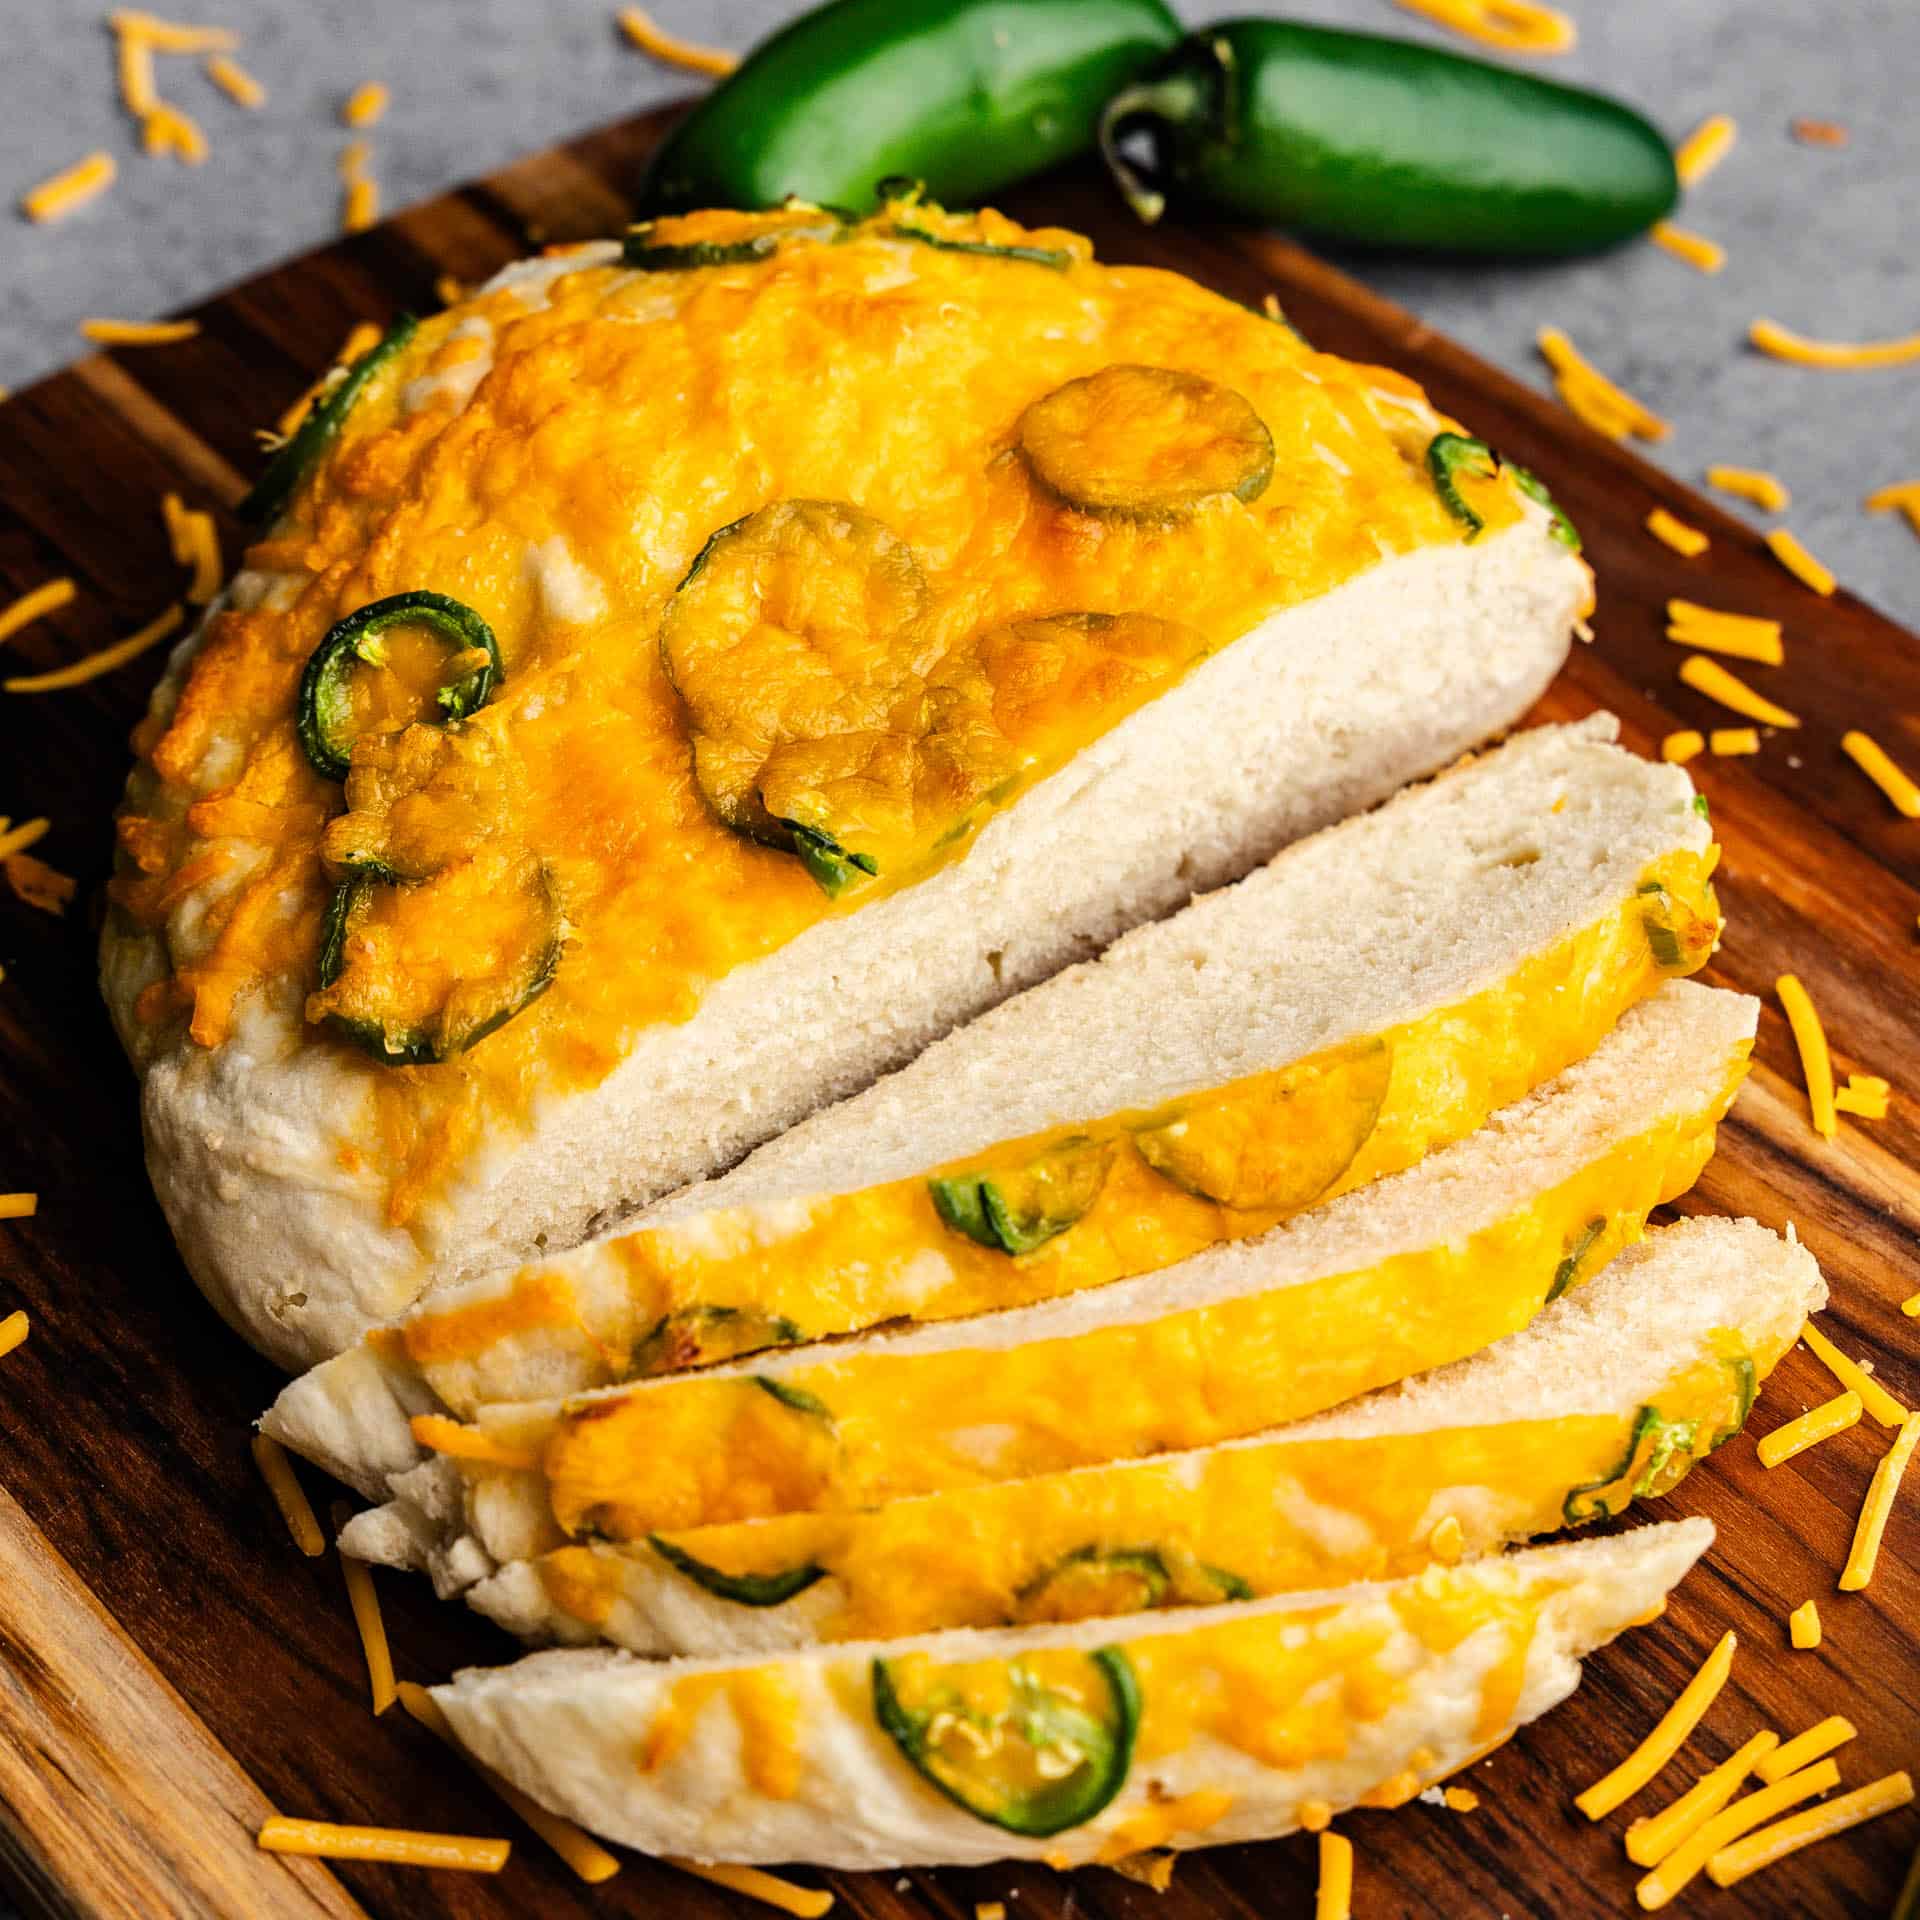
(1032, 1745)
(1149, 443)
(1018, 1209)
(288, 467)
(1280, 1143)
(374, 998)
(700, 1336)
(1560, 527)
(796, 1398)
(1092, 1583)
(324, 712)
(745, 1589)
(1449, 455)
(1563, 1274)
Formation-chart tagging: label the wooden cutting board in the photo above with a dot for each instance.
(170, 1666)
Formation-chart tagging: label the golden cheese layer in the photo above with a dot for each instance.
(554, 454)
(730, 1281)
(1283, 1516)
(841, 1435)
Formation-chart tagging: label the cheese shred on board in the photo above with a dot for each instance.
(1850, 1373)
(396, 1846)
(1804, 1749)
(1515, 26)
(1650, 1841)
(585, 1855)
(1334, 1898)
(1864, 1096)
(1881, 1492)
(1693, 1853)
(1709, 677)
(804, 1903)
(1709, 256)
(1729, 742)
(365, 1603)
(1684, 745)
(1816, 1424)
(1704, 148)
(1683, 539)
(1873, 760)
(1803, 1626)
(108, 658)
(1737, 635)
(1640, 1767)
(1838, 355)
(1803, 1829)
(289, 1496)
(1800, 563)
(14, 1328)
(30, 607)
(643, 33)
(1816, 1067)
(83, 181)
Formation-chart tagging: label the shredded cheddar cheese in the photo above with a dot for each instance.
(1681, 746)
(1460, 1799)
(1816, 1424)
(168, 130)
(396, 1846)
(1816, 1066)
(585, 1855)
(1709, 677)
(1881, 1492)
(1800, 563)
(804, 1903)
(289, 1496)
(1803, 1627)
(1683, 539)
(1872, 759)
(365, 105)
(1803, 1829)
(1804, 1749)
(1850, 1373)
(1910, 1306)
(360, 205)
(1726, 741)
(1818, 133)
(14, 1328)
(643, 33)
(105, 661)
(1644, 1763)
(1650, 1841)
(1515, 26)
(1865, 1097)
(202, 541)
(40, 885)
(57, 197)
(1772, 338)
(33, 606)
(17, 839)
(1693, 1853)
(173, 515)
(1709, 256)
(436, 1431)
(170, 36)
(1735, 634)
(134, 61)
(1313, 1815)
(1447, 1542)
(1751, 484)
(138, 333)
(1592, 396)
(990, 1910)
(236, 82)
(1334, 1898)
(367, 1617)
(1704, 148)
(449, 291)
(1902, 497)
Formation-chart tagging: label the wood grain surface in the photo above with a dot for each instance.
(124, 1419)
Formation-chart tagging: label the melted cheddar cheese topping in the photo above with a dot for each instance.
(854, 1260)
(840, 1435)
(1282, 1517)
(555, 452)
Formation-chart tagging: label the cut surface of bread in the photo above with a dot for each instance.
(1373, 993)
(1611, 1394)
(1104, 1737)
(1410, 1273)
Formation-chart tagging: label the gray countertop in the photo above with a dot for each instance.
(1813, 235)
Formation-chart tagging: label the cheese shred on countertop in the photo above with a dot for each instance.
(1872, 759)
(1650, 1841)
(1709, 256)
(1850, 1373)
(172, 36)
(1334, 1898)
(236, 82)
(1753, 485)
(360, 205)
(138, 333)
(1881, 1492)
(1837, 355)
(1709, 677)
(1515, 26)
(1816, 1424)
(1800, 563)
(14, 1328)
(396, 1846)
(1704, 148)
(1676, 534)
(365, 105)
(1804, 1749)
(1693, 1853)
(585, 1855)
(105, 661)
(1647, 1759)
(1902, 497)
(289, 1496)
(1588, 392)
(30, 607)
(657, 44)
(83, 181)
(804, 1903)
(365, 1603)
(168, 130)
(1803, 1829)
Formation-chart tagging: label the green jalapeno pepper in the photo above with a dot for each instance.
(1386, 143)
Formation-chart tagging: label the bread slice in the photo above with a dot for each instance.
(1547, 1427)
(1409, 971)
(1247, 1717)
(1407, 1274)
(258, 1147)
